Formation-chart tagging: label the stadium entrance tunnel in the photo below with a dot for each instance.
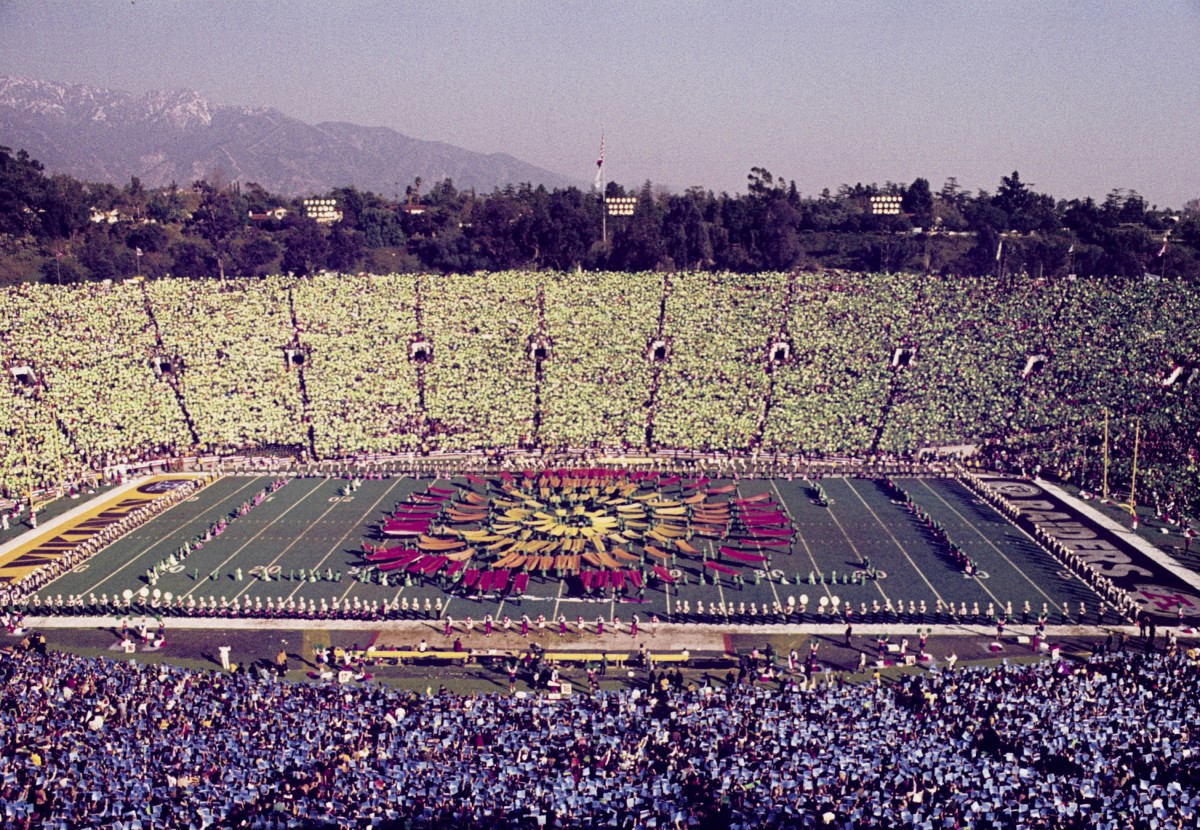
(295, 356)
(420, 350)
(659, 350)
(779, 352)
(1034, 364)
(24, 378)
(166, 365)
(540, 347)
(903, 357)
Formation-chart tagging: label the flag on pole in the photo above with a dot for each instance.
(999, 250)
(600, 162)
(1071, 250)
(1163, 250)
(137, 252)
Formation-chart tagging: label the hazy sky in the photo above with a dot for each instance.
(1080, 97)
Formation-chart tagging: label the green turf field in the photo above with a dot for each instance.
(315, 525)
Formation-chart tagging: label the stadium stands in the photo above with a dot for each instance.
(598, 381)
(362, 385)
(559, 361)
(480, 387)
(235, 384)
(324, 367)
(831, 396)
(1107, 743)
(97, 400)
(714, 386)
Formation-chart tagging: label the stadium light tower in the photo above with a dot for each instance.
(621, 205)
(885, 205)
(617, 206)
(614, 206)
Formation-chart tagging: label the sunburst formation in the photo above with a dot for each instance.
(601, 525)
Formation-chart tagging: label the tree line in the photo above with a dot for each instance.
(54, 228)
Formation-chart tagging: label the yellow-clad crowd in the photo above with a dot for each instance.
(810, 363)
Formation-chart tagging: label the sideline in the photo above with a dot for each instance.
(669, 634)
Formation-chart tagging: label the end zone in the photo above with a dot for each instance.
(45, 545)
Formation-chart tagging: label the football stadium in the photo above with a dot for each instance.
(638, 550)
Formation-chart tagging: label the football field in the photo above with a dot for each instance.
(852, 542)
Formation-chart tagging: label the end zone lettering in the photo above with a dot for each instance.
(78, 533)
(1099, 549)
(157, 488)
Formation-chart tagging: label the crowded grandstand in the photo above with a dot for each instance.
(491, 379)
(818, 364)
(1107, 743)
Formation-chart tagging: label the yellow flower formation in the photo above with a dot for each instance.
(563, 521)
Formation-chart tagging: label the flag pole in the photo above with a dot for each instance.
(600, 191)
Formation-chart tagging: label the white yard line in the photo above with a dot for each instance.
(854, 547)
(339, 542)
(558, 600)
(767, 564)
(133, 559)
(988, 541)
(803, 541)
(720, 587)
(250, 541)
(250, 582)
(899, 546)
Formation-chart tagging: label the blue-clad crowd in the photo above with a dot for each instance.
(1109, 743)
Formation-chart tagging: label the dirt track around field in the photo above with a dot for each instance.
(713, 647)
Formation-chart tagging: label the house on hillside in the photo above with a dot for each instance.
(266, 216)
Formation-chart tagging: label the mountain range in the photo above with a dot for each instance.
(165, 136)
